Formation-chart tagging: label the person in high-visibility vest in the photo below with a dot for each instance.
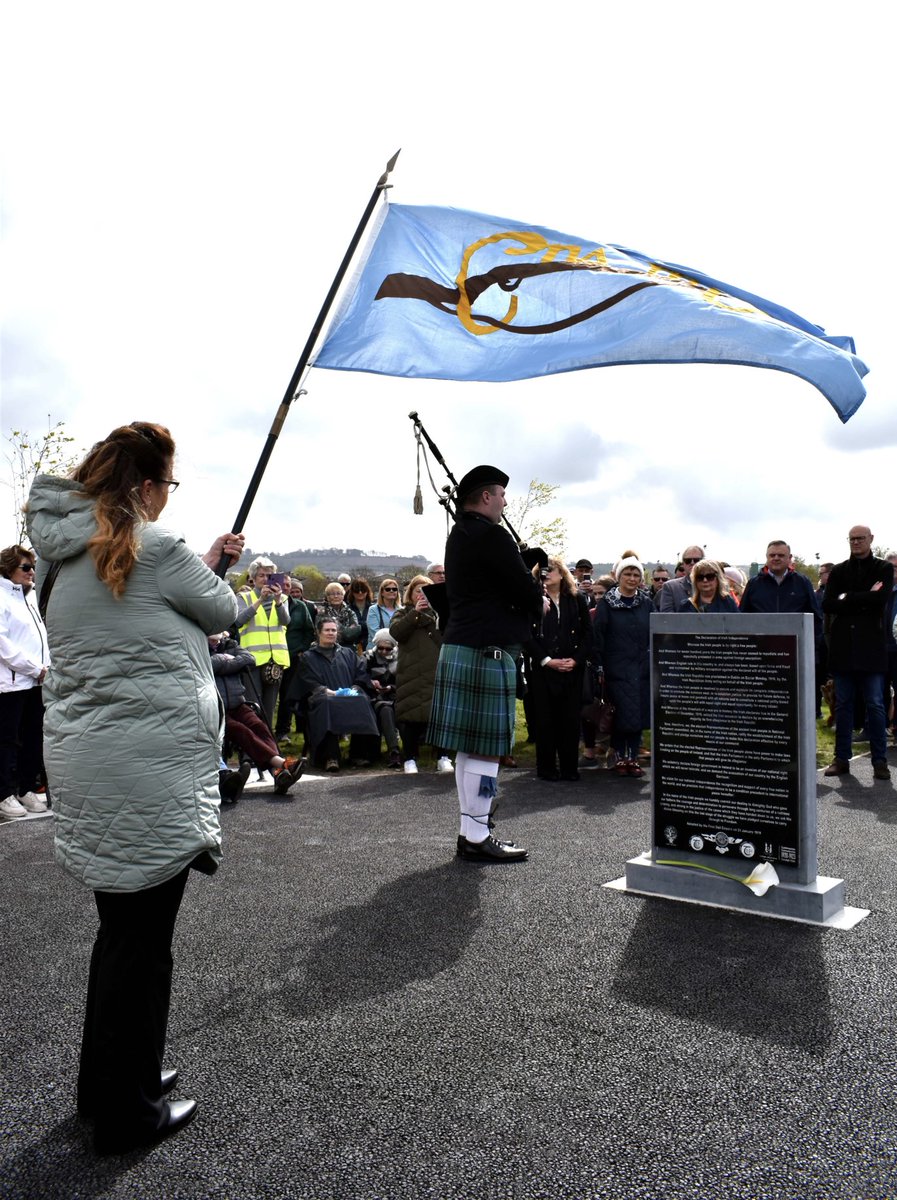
(262, 627)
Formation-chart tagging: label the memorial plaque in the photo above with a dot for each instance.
(725, 742)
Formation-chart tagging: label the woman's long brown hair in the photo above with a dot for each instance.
(112, 475)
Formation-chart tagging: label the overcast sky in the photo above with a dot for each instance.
(180, 182)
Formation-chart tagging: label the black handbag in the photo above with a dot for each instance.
(600, 712)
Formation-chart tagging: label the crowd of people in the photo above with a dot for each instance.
(360, 663)
(591, 639)
(140, 652)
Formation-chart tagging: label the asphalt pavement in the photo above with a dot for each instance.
(361, 1015)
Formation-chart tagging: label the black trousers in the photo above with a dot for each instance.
(128, 994)
(21, 734)
(267, 695)
(361, 745)
(385, 712)
(286, 712)
(556, 700)
(413, 734)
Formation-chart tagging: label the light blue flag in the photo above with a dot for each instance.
(448, 294)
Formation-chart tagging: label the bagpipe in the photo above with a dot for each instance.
(448, 495)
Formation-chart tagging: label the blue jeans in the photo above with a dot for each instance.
(873, 687)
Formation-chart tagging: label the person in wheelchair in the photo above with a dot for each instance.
(242, 724)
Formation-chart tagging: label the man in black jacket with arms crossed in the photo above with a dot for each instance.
(857, 599)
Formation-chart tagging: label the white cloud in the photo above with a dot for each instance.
(180, 185)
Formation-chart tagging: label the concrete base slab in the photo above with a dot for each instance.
(818, 903)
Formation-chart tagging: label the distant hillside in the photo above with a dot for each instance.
(334, 561)
(606, 568)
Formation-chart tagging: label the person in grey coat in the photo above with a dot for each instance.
(669, 597)
(132, 744)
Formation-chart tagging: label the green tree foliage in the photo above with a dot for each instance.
(811, 570)
(526, 516)
(30, 454)
(313, 581)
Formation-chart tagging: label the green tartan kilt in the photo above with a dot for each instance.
(474, 702)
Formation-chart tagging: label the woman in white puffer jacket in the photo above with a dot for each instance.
(24, 659)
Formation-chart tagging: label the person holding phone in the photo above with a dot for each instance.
(262, 621)
(416, 629)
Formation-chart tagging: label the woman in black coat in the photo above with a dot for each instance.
(332, 682)
(622, 650)
(360, 598)
(557, 658)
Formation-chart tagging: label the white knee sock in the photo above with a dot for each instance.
(475, 809)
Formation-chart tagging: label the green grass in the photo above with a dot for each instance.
(525, 752)
(825, 744)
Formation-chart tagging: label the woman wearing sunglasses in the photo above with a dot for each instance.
(24, 658)
(360, 598)
(709, 590)
(381, 613)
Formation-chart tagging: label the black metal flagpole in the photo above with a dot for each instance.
(290, 394)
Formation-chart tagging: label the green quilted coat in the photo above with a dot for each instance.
(132, 724)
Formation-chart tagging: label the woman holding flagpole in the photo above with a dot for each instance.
(132, 743)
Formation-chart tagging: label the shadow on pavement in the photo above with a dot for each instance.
(62, 1160)
(411, 929)
(851, 793)
(743, 975)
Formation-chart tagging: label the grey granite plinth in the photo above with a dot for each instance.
(820, 902)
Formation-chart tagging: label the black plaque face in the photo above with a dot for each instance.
(725, 745)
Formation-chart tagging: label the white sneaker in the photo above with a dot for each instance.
(410, 767)
(444, 765)
(33, 803)
(10, 809)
